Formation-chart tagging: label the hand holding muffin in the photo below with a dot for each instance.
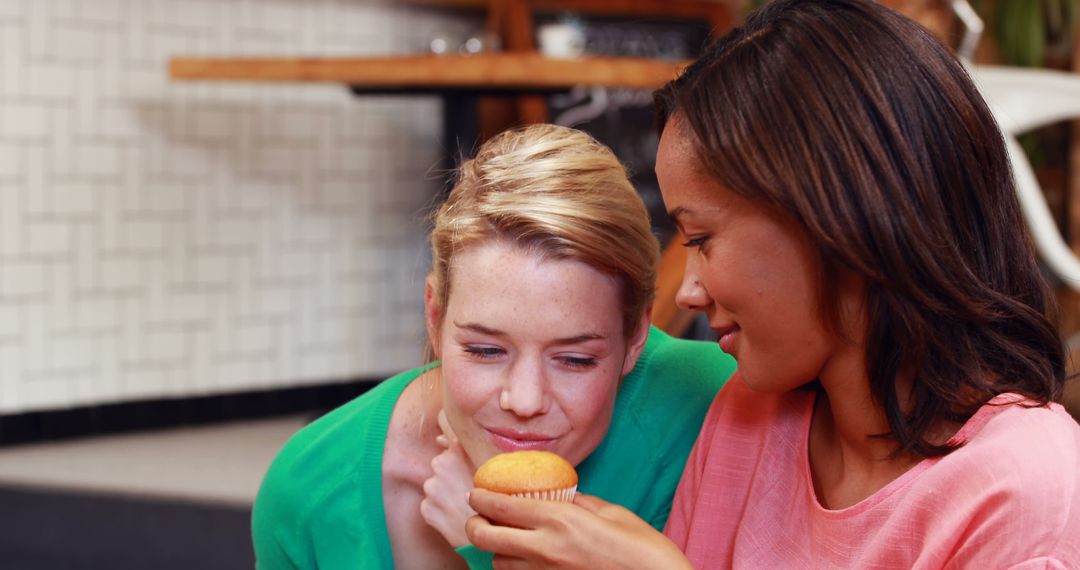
(587, 533)
(563, 529)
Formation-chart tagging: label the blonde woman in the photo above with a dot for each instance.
(537, 309)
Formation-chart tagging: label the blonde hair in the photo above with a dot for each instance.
(560, 194)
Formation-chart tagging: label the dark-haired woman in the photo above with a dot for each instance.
(857, 246)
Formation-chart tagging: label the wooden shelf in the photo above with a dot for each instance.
(505, 72)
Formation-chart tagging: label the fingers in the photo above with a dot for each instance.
(585, 534)
(443, 506)
(428, 510)
(453, 462)
(589, 502)
(441, 463)
(602, 508)
(447, 431)
(507, 543)
(509, 563)
(516, 511)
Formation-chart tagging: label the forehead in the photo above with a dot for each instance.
(676, 151)
(506, 267)
(517, 291)
(688, 191)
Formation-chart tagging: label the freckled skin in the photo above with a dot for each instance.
(530, 383)
(527, 347)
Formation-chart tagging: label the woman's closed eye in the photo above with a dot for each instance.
(577, 362)
(695, 241)
(484, 352)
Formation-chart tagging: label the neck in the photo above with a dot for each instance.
(847, 415)
(847, 464)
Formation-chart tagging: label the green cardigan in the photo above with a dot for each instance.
(320, 504)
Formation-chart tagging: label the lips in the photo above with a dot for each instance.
(727, 336)
(511, 440)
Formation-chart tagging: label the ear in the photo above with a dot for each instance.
(433, 314)
(636, 343)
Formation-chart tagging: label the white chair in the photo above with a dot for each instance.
(1022, 100)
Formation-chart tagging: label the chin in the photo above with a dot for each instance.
(580, 450)
(774, 385)
(755, 383)
(479, 456)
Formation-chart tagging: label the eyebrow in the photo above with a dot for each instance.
(678, 213)
(479, 328)
(580, 338)
(476, 327)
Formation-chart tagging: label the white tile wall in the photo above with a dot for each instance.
(164, 239)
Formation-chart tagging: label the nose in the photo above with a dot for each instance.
(691, 296)
(525, 392)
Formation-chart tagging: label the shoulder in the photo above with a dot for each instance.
(661, 405)
(1019, 464)
(755, 422)
(324, 455)
(664, 352)
(1028, 443)
(737, 405)
(657, 416)
(671, 387)
(675, 362)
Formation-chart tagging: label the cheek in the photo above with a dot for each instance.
(726, 276)
(587, 407)
(768, 280)
(581, 406)
(464, 396)
(461, 395)
(786, 344)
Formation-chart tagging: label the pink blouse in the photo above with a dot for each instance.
(1009, 498)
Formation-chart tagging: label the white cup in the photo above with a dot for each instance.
(561, 40)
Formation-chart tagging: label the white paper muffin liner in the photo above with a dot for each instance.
(557, 495)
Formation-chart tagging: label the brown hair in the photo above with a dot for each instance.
(859, 125)
(559, 193)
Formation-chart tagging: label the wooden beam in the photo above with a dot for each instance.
(499, 71)
(519, 36)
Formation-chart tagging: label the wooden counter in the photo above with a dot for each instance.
(495, 72)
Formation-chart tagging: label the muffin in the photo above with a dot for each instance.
(531, 474)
